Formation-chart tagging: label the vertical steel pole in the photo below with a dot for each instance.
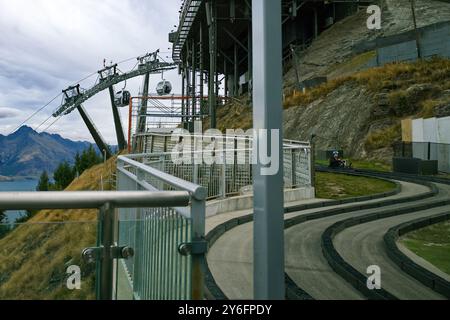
(183, 93)
(236, 72)
(194, 79)
(313, 161)
(142, 120)
(417, 32)
(225, 70)
(267, 115)
(210, 6)
(188, 86)
(198, 214)
(202, 79)
(250, 60)
(106, 218)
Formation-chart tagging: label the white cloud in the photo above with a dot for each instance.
(47, 45)
(8, 113)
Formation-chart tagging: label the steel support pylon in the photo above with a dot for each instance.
(100, 142)
(121, 142)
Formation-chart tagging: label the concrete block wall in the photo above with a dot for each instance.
(434, 41)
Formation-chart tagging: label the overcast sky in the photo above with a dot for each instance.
(47, 45)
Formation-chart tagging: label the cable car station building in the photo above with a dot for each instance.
(213, 44)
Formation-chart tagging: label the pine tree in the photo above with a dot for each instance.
(4, 229)
(2, 217)
(43, 184)
(63, 176)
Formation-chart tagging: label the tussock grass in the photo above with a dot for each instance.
(391, 77)
(383, 138)
(34, 257)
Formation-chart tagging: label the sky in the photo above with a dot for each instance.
(48, 45)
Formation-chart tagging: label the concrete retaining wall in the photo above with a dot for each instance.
(434, 41)
(245, 202)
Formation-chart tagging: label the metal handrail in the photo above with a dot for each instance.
(106, 202)
(91, 199)
(198, 192)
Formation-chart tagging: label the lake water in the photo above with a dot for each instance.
(20, 185)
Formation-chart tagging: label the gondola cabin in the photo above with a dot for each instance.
(122, 99)
(164, 88)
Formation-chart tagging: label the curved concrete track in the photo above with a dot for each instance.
(363, 246)
(230, 259)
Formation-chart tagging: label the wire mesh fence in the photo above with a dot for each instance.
(158, 271)
(228, 169)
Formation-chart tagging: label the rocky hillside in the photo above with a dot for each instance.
(362, 113)
(331, 54)
(27, 153)
(359, 109)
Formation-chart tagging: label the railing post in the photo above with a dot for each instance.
(198, 212)
(312, 156)
(293, 169)
(223, 176)
(105, 275)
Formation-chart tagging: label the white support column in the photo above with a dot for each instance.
(267, 115)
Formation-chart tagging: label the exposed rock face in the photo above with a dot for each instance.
(399, 14)
(346, 116)
(335, 45)
(442, 111)
(340, 120)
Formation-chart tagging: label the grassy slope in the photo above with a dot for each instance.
(339, 186)
(35, 256)
(432, 244)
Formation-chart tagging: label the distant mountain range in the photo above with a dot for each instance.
(26, 153)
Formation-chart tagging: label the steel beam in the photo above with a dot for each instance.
(267, 115)
(235, 39)
(201, 62)
(188, 83)
(101, 144)
(117, 121)
(212, 26)
(250, 59)
(236, 72)
(144, 103)
(194, 79)
(142, 122)
(183, 92)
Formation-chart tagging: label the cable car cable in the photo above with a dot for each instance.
(35, 113)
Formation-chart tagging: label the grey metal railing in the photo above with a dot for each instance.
(230, 177)
(168, 241)
(108, 251)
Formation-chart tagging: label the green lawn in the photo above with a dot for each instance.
(340, 186)
(432, 244)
